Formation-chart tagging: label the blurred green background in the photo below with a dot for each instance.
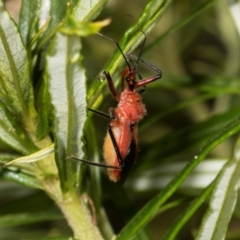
(196, 97)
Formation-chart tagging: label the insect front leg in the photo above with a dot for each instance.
(110, 83)
(144, 82)
(142, 90)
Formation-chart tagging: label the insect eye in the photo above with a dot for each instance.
(127, 79)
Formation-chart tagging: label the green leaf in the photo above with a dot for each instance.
(150, 209)
(34, 157)
(56, 12)
(20, 178)
(159, 176)
(223, 200)
(73, 25)
(68, 98)
(43, 107)
(86, 10)
(25, 200)
(55, 238)
(6, 157)
(176, 107)
(82, 29)
(193, 135)
(11, 220)
(194, 13)
(28, 21)
(15, 78)
(12, 134)
(187, 214)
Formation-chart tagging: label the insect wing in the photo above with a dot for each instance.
(129, 160)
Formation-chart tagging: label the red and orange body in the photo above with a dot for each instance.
(129, 111)
(121, 143)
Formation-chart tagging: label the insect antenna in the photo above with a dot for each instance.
(142, 47)
(124, 56)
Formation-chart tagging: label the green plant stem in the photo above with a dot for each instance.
(79, 218)
(73, 208)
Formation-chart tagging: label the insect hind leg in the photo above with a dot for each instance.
(104, 165)
(87, 162)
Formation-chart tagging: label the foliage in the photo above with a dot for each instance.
(48, 63)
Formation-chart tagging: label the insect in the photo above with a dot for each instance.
(121, 143)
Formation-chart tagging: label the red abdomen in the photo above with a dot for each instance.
(123, 137)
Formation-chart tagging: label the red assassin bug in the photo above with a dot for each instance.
(121, 142)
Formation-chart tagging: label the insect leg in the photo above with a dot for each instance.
(111, 114)
(145, 81)
(104, 165)
(87, 162)
(139, 76)
(100, 113)
(146, 63)
(142, 90)
(119, 157)
(139, 55)
(110, 83)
